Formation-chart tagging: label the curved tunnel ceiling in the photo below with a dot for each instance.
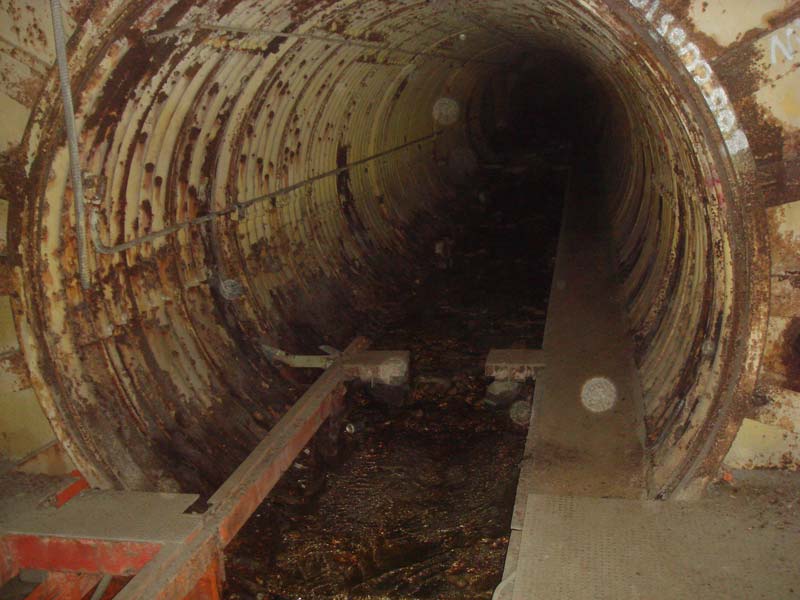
(292, 148)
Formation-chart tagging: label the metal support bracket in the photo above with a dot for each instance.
(386, 367)
(302, 361)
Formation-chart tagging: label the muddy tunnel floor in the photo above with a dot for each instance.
(413, 499)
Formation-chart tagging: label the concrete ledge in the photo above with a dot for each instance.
(388, 367)
(514, 364)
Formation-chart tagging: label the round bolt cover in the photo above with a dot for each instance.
(231, 289)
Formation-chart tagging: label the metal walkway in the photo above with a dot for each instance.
(581, 528)
(599, 548)
(572, 450)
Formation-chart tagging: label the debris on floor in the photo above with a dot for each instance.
(414, 499)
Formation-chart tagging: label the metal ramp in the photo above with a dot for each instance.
(581, 548)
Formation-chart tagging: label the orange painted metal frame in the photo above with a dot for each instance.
(192, 570)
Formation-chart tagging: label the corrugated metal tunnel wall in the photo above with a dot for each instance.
(152, 378)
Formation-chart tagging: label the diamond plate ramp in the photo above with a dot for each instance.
(594, 548)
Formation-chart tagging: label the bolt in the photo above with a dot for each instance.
(231, 289)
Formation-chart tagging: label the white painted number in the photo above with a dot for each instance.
(703, 74)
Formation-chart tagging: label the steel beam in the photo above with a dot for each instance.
(8, 563)
(189, 564)
(177, 568)
(78, 555)
(64, 586)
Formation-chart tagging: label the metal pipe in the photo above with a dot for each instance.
(72, 139)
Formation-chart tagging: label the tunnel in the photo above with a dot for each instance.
(276, 172)
(190, 192)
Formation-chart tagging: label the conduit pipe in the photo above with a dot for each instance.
(72, 139)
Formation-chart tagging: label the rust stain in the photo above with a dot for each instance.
(790, 355)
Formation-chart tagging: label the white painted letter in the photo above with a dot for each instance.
(664, 24)
(706, 71)
(650, 15)
(717, 99)
(737, 142)
(677, 36)
(696, 57)
(726, 120)
(787, 50)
